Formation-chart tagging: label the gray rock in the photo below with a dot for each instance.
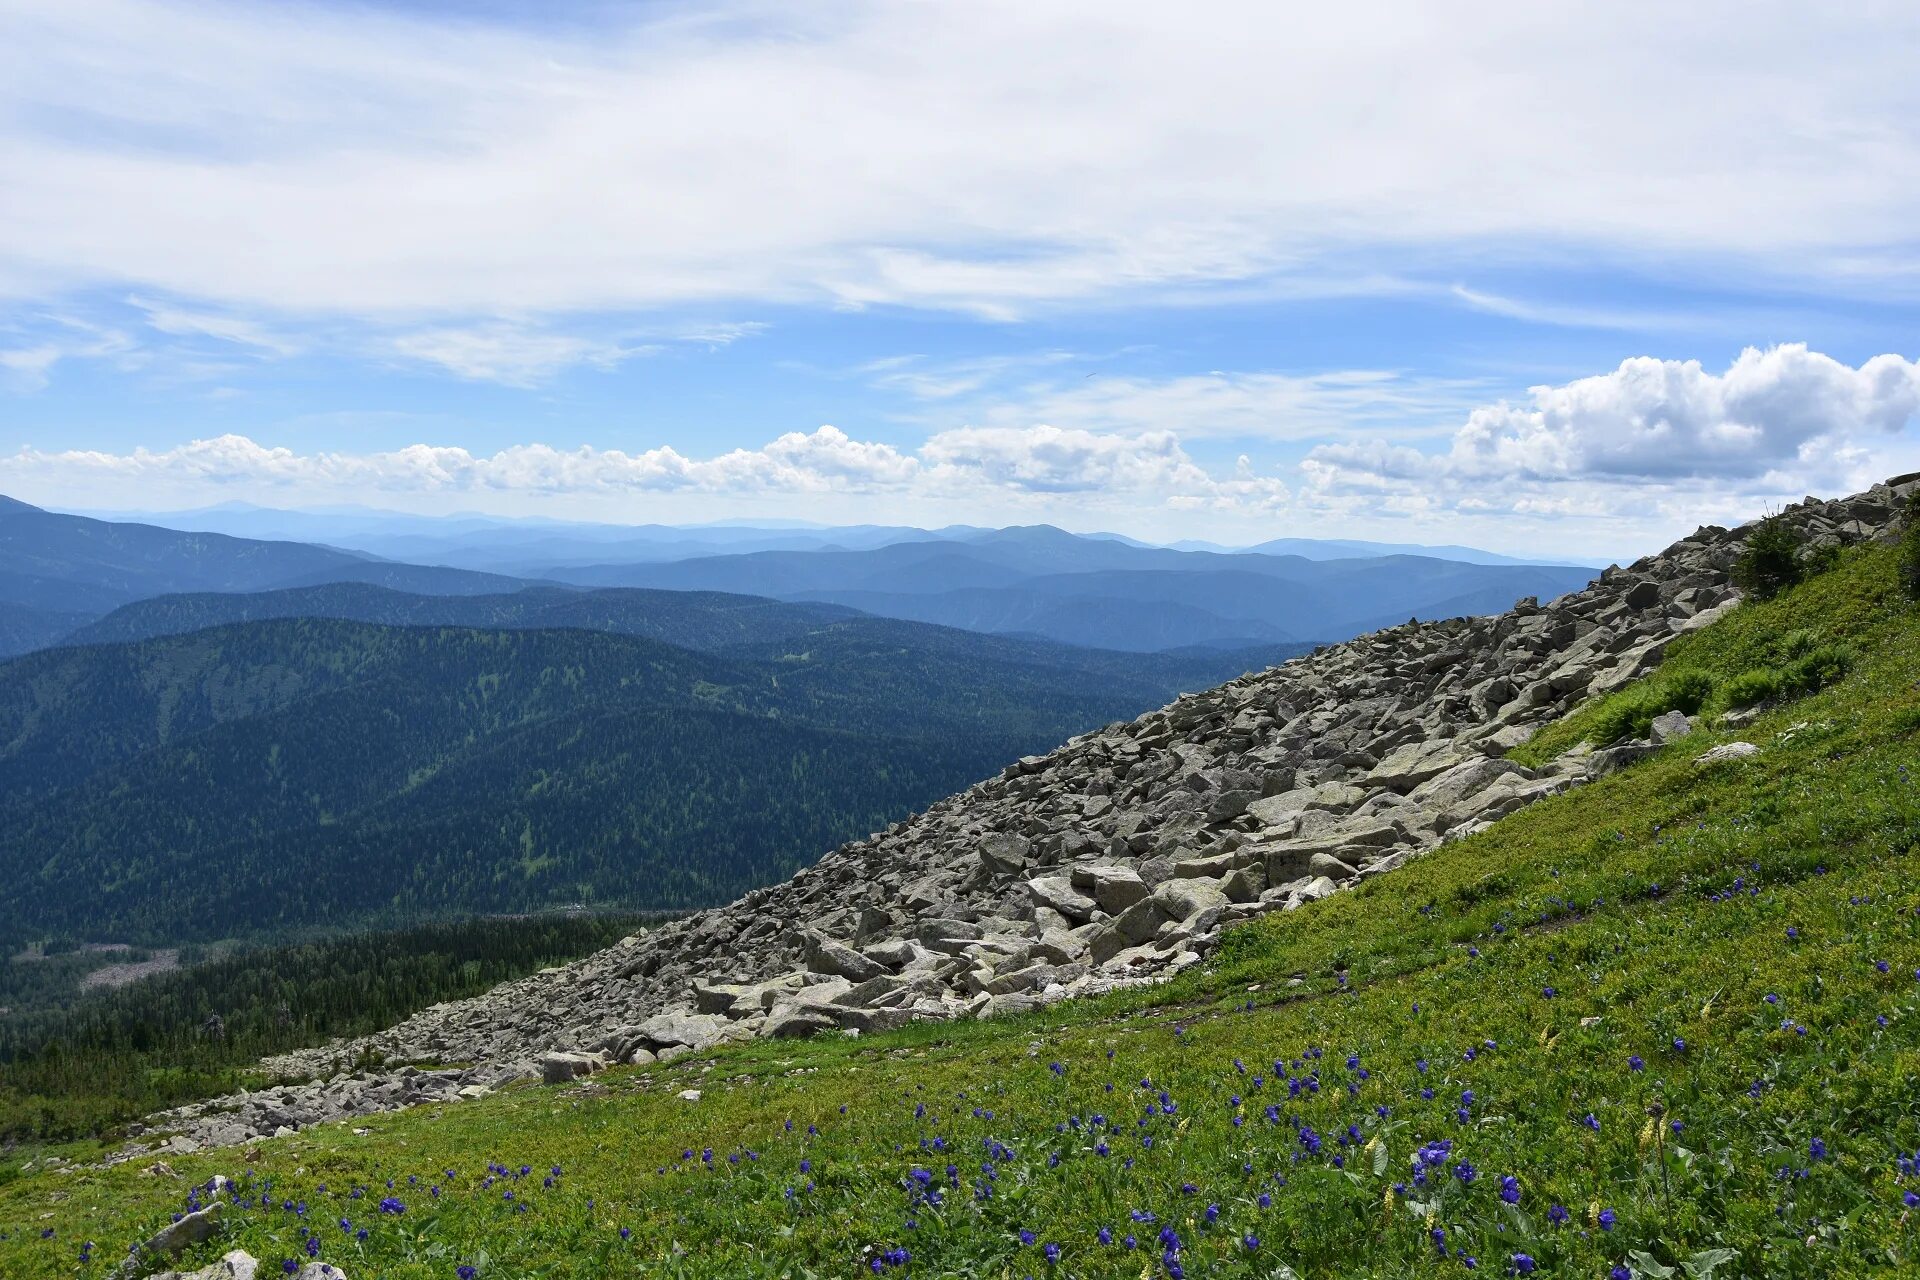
(1728, 751)
(824, 955)
(560, 1066)
(798, 1021)
(1114, 888)
(1670, 726)
(1058, 894)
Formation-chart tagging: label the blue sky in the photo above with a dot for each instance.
(1571, 284)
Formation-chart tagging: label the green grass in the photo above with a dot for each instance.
(1764, 651)
(1656, 905)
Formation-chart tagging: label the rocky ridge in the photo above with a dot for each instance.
(1118, 858)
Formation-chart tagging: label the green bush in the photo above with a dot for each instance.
(1771, 561)
(1798, 643)
(1817, 669)
(1687, 691)
(1910, 549)
(1750, 688)
(1631, 712)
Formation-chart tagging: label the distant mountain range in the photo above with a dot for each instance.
(61, 574)
(1089, 591)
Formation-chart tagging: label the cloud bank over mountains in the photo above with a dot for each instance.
(993, 159)
(1659, 439)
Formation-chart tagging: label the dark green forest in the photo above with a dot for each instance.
(104, 1058)
(259, 777)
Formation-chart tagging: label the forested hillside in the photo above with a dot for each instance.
(112, 1055)
(313, 772)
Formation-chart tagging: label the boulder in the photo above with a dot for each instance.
(1114, 888)
(1004, 854)
(1728, 751)
(824, 955)
(798, 1021)
(1186, 899)
(561, 1066)
(689, 1030)
(1058, 894)
(237, 1265)
(1670, 726)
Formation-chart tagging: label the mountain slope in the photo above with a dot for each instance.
(1659, 1023)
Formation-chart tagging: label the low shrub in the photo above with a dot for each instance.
(1910, 549)
(1817, 668)
(1751, 688)
(1770, 563)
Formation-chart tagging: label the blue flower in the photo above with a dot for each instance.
(1523, 1264)
(1510, 1188)
(1817, 1150)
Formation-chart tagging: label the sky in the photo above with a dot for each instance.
(1567, 279)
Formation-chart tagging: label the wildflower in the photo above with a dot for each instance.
(1510, 1188)
(1817, 1150)
(1523, 1264)
(1635, 1062)
(1558, 1215)
(465, 1272)
(1592, 1122)
(1052, 1251)
(1606, 1219)
(1250, 1242)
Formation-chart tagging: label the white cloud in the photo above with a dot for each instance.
(27, 361)
(961, 465)
(511, 354)
(185, 322)
(1270, 406)
(994, 157)
(1652, 434)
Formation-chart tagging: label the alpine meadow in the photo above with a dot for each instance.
(705, 640)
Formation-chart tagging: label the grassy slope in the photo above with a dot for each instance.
(1656, 904)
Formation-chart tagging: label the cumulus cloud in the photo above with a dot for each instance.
(960, 465)
(1777, 421)
(1633, 456)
